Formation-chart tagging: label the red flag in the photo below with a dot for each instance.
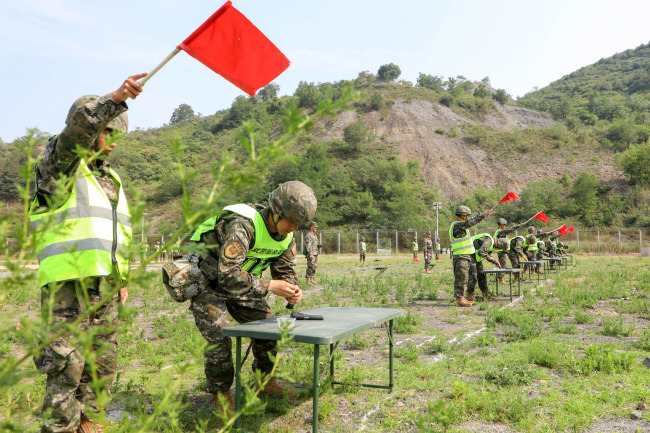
(562, 230)
(571, 229)
(230, 45)
(509, 197)
(540, 216)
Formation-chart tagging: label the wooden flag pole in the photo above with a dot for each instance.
(160, 65)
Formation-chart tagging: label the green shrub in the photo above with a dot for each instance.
(603, 358)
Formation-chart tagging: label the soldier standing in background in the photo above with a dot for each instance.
(362, 254)
(463, 252)
(502, 233)
(438, 250)
(242, 242)
(427, 249)
(81, 258)
(415, 249)
(311, 252)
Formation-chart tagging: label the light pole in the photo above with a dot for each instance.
(436, 206)
(143, 214)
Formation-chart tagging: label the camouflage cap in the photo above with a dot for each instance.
(363, 239)
(502, 221)
(120, 123)
(463, 210)
(428, 232)
(294, 201)
(539, 232)
(313, 224)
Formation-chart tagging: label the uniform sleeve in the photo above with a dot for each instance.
(510, 229)
(461, 226)
(86, 123)
(235, 236)
(284, 267)
(518, 248)
(483, 250)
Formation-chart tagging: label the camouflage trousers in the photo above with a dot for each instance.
(464, 274)
(514, 259)
(69, 394)
(503, 258)
(427, 261)
(311, 267)
(211, 315)
(362, 256)
(480, 277)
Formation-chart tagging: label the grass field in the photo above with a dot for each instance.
(565, 357)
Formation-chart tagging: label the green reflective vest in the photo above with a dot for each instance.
(415, 246)
(523, 242)
(86, 236)
(532, 247)
(265, 248)
(496, 236)
(479, 259)
(462, 245)
(363, 246)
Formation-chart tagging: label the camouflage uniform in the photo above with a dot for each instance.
(311, 248)
(427, 250)
(502, 255)
(236, 292)
(516, 251)
(67, 392)
(482, 246)
(464, 264)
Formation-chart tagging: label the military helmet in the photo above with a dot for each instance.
(531, 229)
(502, 221)
(363, 239)
(294, 201)
(463, 210)
(539, 232)
(120, 123)
(428, 232)
(560, 244)
(555, 234)
(532, 239)
(565, 245)
(501, 244)
(313, 224)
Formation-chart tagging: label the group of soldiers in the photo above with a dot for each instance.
(469, 252)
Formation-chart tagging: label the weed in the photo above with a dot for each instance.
(582, 318)
(485, 339)
(603, 358)
(614, 327)
(407, 324)
(546, 353)
(509, 374)
(358, 342)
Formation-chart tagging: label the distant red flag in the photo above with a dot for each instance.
(230, 45)
(562, 230)
(571, 229)
(540, 216)
(509, 197)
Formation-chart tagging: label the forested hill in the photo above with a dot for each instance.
(382, 163)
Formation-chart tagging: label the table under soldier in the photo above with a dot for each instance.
(555, 263)
(503, 271)
(532, 264)
(571, 257)
(337, 324)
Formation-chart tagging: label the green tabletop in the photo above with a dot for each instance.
(503, 270)
(337, 324)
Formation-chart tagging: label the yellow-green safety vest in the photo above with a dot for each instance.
(479, 259)
(462, 245)
(363, 246)
(496, 236)
(415, 246)
(85, 237)
(265, 247)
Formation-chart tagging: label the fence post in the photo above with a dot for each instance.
(377, 240)
(339, 243)
(598, 239)
(396, 242)
(578, 237)
(357, 241)
(640, 240)
(619, 241)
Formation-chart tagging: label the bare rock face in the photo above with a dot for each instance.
(422, 130)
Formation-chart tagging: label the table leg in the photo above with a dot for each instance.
(510, 284)
(314, 423)
(390, 354)
(238, 381)
(496, 281)
(332, 361)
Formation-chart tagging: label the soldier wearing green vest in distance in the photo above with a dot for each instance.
(484, 244)
(415, 247)
(463, 252)
(81, 223)
(242, 241)
(530, 249)
(362, 254)
(516, 252)
(502, 233)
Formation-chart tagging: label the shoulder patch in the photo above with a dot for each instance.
(233, 249)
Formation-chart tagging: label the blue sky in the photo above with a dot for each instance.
(56, 50)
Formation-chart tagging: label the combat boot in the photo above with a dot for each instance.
(516, 278)
(427, 271)
(470, 296)
(230, 401)
(487, 296)
(88, 426)
(502, 280)
(462, 302)
(275, 389)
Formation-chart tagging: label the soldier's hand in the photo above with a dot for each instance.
(124, 295)
(311, 257)
(522, 224)
(129, 89)
(287, 290)
(487, 213)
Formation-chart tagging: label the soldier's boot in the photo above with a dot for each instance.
(502, 280)
(470, 296)
(462, 302)
(88, 426)
(487, 296)
(516, 278)
(309, 280)
(312, 280)
(229, 400)
(427, 271)
(275, 389)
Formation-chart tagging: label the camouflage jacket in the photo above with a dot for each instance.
(311, 244)
(427, 248)
(459, 228)
(482, 246)
(517, 244)
(61, 157)
(233, 235)
(505, 232)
